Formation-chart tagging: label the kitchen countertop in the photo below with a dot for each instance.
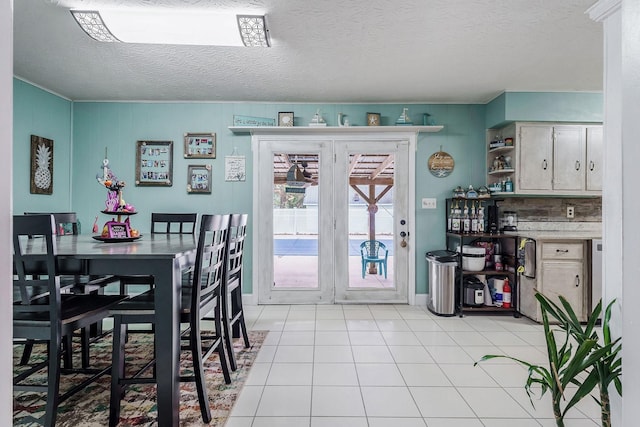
(559, 230)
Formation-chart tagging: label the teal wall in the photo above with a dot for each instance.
(38, 112)
(92, 126)
(545, 107)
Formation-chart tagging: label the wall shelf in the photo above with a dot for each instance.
(333, 129)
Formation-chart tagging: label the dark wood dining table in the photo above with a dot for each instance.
(164, 256)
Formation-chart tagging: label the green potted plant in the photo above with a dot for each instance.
(578, 358)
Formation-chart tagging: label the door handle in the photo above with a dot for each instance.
(592, 166)
(577, 281)
(403, 243)
(544, 164)
(577, 165)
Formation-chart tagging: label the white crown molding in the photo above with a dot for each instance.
(603, 9)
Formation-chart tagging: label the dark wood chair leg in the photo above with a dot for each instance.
(26, 353)
(196, 354)
(117, 371)
(85, 338)
(53, 384)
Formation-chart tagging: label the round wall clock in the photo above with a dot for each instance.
(440, 164)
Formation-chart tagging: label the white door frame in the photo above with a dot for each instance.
(263, 224)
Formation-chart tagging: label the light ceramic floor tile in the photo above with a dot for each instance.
(290, 374)
(332, 354)
(385, 314)
(272, 338)
(569, 423)
(268, 325)
(247, 402)
(484, 402)
(366, 338)
(414, 314)
(280, 422)
(336, 374)
(294, 354)
(239, 422)
(379, 374)
(329, 314)
(429, 339)
(302, 315)
(371, 354)
(266, 354)
(389, 402)
(449, 354)
(336, 401)
(410, 354)
(400, 338)
(285, 401)
(339, 422)
(450, 324)
(300, 325)
(477, 352)
(467, 338)
(454, 422)
(297, 338)
(358, 315)
(527, 353)
(510, 375)
(393, 325)
(504, 339)
(396, 422)
(495, 422)
(331, 325)
(532, 338)
(362, 325)
(440, 402)
(467, 375)
(427, 325)
(541, 407)
(332, 338)
(485, 324)
(258, 374)
(423, 375)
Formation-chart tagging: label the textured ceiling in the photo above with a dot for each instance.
(462, 51)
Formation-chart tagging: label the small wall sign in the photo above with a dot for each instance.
(440, 164)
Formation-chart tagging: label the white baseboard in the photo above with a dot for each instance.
(252, 299)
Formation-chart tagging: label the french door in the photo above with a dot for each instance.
(317, 200)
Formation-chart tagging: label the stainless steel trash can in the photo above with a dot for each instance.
(442, 276)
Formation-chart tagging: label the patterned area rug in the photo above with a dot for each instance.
(90, 407)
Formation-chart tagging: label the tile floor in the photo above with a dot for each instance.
(396, 366)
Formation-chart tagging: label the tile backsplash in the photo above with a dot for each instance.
(553, 209)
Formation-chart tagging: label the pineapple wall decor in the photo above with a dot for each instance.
(41, 165)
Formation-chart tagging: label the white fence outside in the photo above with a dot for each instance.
(305, 221)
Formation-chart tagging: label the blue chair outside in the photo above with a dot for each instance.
(370, 251)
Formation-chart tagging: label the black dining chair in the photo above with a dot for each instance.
(66, 223)
(199, 298)
(42, 313)
(161, 223)
(232, 311)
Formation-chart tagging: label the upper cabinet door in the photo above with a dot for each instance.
(535, 161)
(594, 158)
(569, 158)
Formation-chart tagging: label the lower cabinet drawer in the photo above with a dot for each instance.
(559, 250)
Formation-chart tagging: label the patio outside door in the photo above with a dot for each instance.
(314, 208)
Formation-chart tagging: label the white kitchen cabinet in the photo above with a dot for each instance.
(561, 270)
(535, 157)
(551, 159)
(594, 158)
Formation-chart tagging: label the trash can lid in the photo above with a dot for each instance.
(442, 256)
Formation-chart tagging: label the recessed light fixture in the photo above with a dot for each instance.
(174, 27)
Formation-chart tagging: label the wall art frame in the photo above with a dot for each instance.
(154, 163)
(285, 118)
(199, 179)
(41, 170)
(199, 145)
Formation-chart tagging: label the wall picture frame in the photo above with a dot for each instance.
(154, 163)
(41, 181)
(199, 179)
(285, 118)
(199, 145)
(373, 119)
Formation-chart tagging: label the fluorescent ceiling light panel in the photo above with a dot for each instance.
(174, 27)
